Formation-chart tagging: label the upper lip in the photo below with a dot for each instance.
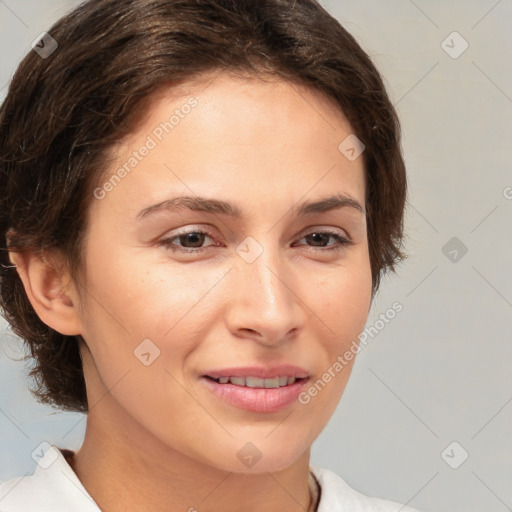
(262, 372)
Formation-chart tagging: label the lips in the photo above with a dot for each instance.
(257, 389)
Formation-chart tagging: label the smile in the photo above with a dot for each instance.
(256, 382)
(256, 394)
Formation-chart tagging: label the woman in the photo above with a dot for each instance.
(259, 133)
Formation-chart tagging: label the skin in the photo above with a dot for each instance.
(157, 439)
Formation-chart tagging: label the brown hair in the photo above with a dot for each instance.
(65, 111)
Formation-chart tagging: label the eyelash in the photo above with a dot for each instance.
(167, 242)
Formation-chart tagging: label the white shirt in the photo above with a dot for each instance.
(54, 487)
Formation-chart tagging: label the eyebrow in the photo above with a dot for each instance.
(216, 206)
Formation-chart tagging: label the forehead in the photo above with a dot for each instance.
(232, 106)
(248, 134)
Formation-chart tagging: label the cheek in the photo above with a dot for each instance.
(135, 294)
(343, 303)
(343, 300)
(135, 301)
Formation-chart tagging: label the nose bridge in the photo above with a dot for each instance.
(266, 302)
(265, 276)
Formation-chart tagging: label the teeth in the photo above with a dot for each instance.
(272, 383)
(256, 382)
(253, 382)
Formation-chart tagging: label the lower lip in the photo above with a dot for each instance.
(257, 399)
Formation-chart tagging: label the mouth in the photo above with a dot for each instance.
(257, 389)
(257, 382)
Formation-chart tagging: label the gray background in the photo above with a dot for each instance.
(440, 371)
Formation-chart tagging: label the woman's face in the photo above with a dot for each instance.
(247, 281)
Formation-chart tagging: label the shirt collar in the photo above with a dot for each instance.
(53, 487)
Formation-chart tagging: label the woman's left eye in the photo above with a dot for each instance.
(321, 236)
(197, 238)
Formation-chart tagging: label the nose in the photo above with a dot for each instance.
(264, 299)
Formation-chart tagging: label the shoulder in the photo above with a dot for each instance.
(337, 495)
(53, 487)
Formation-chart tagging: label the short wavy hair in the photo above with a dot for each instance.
(63, 113)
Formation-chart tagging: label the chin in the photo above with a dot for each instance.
(260, 456)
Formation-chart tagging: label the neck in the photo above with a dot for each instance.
(125, 468)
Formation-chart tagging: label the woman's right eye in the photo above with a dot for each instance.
(195, 237)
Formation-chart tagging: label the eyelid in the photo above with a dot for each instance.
(188, 230)
(326, 229)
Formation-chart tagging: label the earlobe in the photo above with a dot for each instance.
(49, 290)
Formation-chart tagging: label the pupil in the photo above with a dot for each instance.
(315, 235)
(189, 238)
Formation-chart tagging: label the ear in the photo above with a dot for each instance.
(50, 290)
